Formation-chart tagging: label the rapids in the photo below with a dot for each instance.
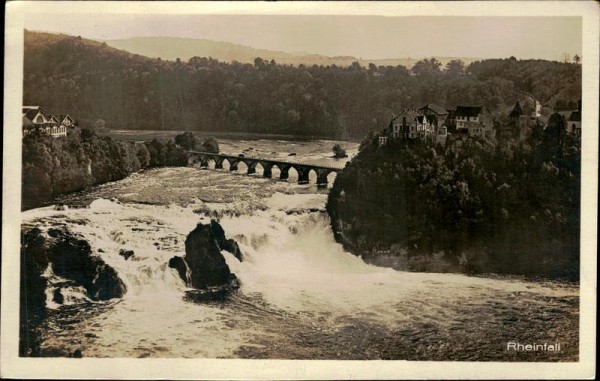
(301, 297)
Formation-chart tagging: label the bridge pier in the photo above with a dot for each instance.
(268, 172)
(251, 167)
(303, 175)
(285, 173)
(204, 163)
(322, 180)
(233, 165)
(219, 164)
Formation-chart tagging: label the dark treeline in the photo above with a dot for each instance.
(507, 208)
(56, 166)
(93, 81)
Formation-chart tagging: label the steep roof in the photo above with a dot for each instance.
(435, 108)
(31, 113)
(468, 110)
(37, 108)
(516, 111)
(61, 117)
(410, 116)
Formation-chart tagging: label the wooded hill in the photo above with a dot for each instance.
(171, 48)
(92, 81)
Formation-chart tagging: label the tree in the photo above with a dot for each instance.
(455, 67)
(427, 66)
(566, 57)
(211, 145)
(187, 140)
(576, 59)
(554, 136)
(338, 151)
(259, 63)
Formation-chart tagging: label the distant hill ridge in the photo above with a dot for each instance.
(171, 48)
(98, 83)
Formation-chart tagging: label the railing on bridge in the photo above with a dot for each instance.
(302, 168)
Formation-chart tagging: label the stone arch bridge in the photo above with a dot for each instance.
(284, 167)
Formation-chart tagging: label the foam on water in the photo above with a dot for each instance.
(291, 266)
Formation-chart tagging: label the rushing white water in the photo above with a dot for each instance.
(301, 295)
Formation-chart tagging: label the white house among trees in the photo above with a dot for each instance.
(36, 118)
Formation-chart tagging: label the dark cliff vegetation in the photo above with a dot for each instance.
(94, 81)
(57, 166)
(507, 208)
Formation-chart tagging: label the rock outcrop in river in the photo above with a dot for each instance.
(203, 257)
(70, 258)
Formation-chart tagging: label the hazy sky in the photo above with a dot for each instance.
(372, 37)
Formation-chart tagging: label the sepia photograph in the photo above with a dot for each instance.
(381, 185)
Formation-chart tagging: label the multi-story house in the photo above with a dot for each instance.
(524, 118)
(36, 118)
(411, 125)
(437, 115)
(474, 120)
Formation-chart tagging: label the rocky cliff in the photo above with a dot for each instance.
(68, 257)
(472, 206)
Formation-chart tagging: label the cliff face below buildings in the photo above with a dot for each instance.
(472, 207)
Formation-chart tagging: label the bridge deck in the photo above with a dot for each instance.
(272, 161)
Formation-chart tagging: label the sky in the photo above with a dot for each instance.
(367, 37)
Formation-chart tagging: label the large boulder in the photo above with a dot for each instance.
(178, 263)
(203, 258)
(72, 258)
(225, 244)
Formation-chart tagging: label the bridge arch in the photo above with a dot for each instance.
(251, 164)
(219, 162)
(209, 160)
(233, 164)
(303, 173)
(192, 159)
(242, 166)
(258, 168)
(289, 173)
(331, 176)
(272, 170)
(313, 175)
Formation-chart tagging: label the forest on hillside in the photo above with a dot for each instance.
(100, 85)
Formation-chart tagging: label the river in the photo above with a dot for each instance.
(301, 296)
